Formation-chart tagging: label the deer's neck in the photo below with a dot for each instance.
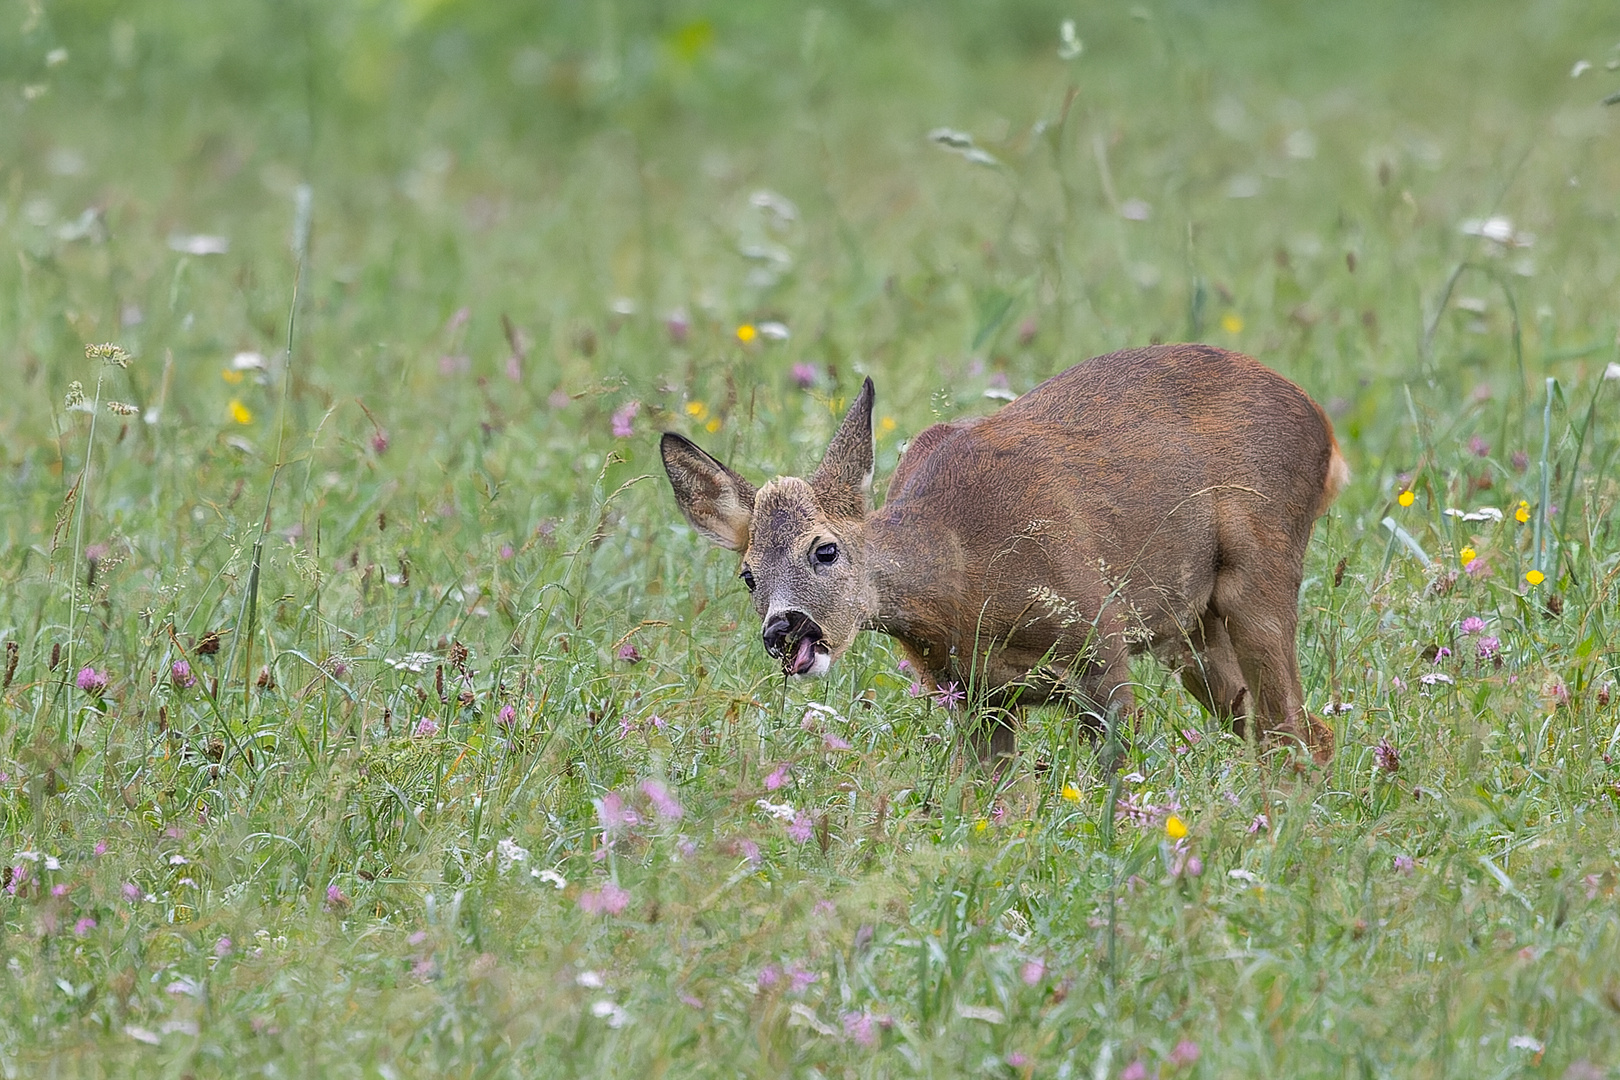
(915, 581)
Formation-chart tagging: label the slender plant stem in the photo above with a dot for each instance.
(73, 571)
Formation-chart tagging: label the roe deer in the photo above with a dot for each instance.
(1155, 499)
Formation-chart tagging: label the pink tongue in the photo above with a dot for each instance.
(804, 656)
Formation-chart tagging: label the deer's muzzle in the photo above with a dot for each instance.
(794, 638)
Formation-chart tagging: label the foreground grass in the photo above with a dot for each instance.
(498, 782)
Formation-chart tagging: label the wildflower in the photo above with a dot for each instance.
(100, 848)
(507, 717)
(749, 850)
(774, 331)
(629, 653)
(1535, 577)
(608, 900)
(1174, 827)
(769, 976)
(1404, 864)
(614, 816)
(1479, 447)
(612, 1012)
(915, 690)
(180, 674)
(1436, 678)
(1136, 1070)
(746, 333)
(1527, 1042)
(1558, 693)
(1440, 653)
(834, 742)
(1477, 568)
(59, 890)
(665, 805)
(697, 410)
(426, 728)
(1386, 757)
(804, 376)
(799, 979)
(799, 829)
(677, 325)
(1260, 822)
(108, 354)
(1472, 625)
(131, 892)
(858, 1027)
(1017, 1060)
(623, 419)
(509, 853)
(552, 877)
(1522, 514)
(336, 900)
(1185, 1052)
(222, 947)
(1071, 793)
(84, 926)
(1406, 498)
(1032, 972)
(1232, 322)
(92, 681)
(239, 412)
(379, 442)
(1466, 556)
(949, 696)
(777, 777)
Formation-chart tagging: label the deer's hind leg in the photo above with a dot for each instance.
(1212, 674)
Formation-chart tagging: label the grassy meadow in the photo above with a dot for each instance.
(369, 710)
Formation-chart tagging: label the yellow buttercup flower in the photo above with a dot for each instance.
(1071, 793)
(1535, 577)
(232, 377)
(1406, 498)
(712, 426)
(1522, 514)
(887, 423)
(1467, 555)
(1174, 827)
(240, 412)
(697, 409)
(980, 825)
(746, 333)
(1232, 322)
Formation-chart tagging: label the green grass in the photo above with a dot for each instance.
(296, 866)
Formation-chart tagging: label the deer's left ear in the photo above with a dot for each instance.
(843, 480)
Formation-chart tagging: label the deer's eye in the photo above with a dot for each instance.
(825, 554)
(747, 576)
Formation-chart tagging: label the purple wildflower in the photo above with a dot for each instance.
(1521, 461)
(1017, 1060)
(1136, 1070)
(949, 696)
(84, 926)
(1404, 864)
(608, 900)
(800, 828)
(1185, 1052)
(1032, 972)
(623, 419)
(335, 899)
(799, 979)
(665, 804)
(180, 674)
(222, 947)
(769, 976)
(778, 776)
(1260, 822)
(1478, 567)
(749, 850)
(1488, 647)
(426, 728)
(676, 325)
(1472, 625)
(804, 376)
(59, 890)
(628, 653)
(614, 815)
(859, 1028)
(834, 742)
(92, 681)
(1479, 447)
(1386, 757)
(507, 716)
(131, 892)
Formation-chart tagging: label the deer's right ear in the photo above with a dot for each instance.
(718, 502)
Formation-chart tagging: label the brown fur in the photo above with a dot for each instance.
(1156, 499)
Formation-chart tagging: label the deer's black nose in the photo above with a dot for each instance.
(786, 628)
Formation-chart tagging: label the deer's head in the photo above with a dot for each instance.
(801, 540)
